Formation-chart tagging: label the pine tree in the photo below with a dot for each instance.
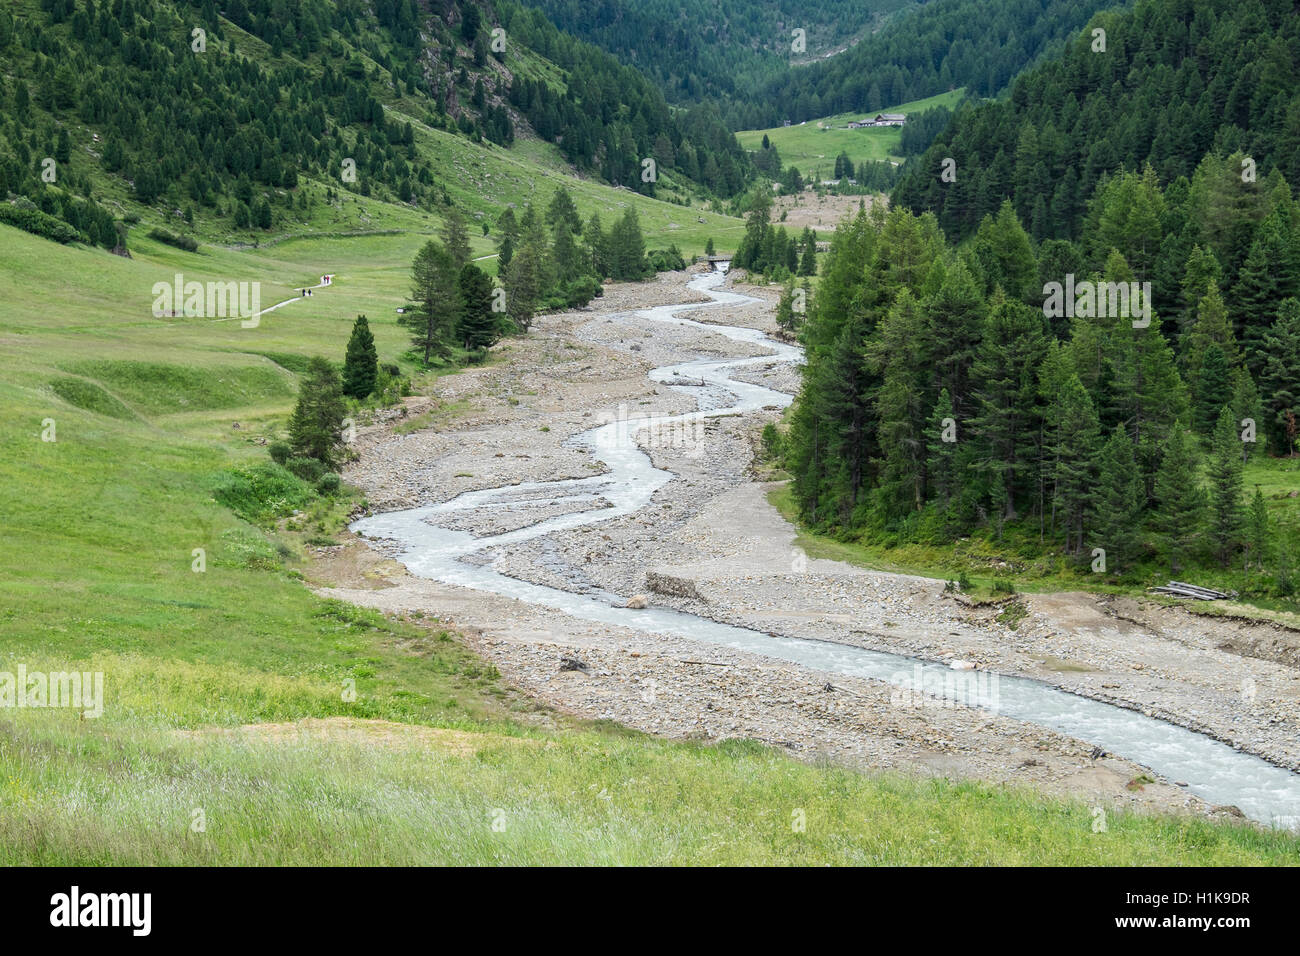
(1247, 411)
(1280, 380)
(1004, 376)
(1225, 473)
(1258, 534)
(1117, 511)
(1211, 328)
(507, 237)
(785, 314)
(316, 426)
(361, 364)
(1004, 250)
(900, 353)
(749, 254)
(598, 246)
(627, 248)
(808, 264)
(455, 238)
(476, 325)
(941, 443)
(1180, 500)
(562, 211)
(1261, 284)
(1077, 437)
(435, 290)
(1213, 389)
(1202, 271)
(957, 313)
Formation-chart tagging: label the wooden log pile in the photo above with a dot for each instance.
(1182, 589)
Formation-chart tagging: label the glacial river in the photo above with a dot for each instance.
(1212, 770)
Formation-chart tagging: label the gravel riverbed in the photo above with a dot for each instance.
(726, 554)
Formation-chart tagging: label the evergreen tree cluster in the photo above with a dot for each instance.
(939, 400)
(1176, 81)
(453, 301)
(773, 251)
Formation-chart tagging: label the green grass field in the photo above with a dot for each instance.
(98, 531)
(813, 146)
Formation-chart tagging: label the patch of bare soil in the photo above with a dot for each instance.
(821, 213)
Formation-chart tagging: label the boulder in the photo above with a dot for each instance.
(672, 586)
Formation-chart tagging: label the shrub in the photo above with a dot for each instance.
(771, 439)
(279, 452)
(40, 224)
(666, 260)
(329, 483)
(171, 239)
(308, 469)
(581, 290)
(261, 492)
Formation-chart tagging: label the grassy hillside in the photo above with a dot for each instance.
(812, 146)
(427, 120)
(97, 535)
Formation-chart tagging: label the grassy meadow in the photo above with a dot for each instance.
(813, 146)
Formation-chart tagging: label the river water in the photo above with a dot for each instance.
(1212, 770)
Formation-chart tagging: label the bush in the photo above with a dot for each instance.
(581, 290)
(171, 239)
(329, 483)
(261, 492)
(40, 224)
(308, 469)
(771, 439)
(279, 452)
(666, 260)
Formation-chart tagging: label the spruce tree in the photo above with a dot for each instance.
(1280, 381)
(1258, 533)
(1213, 390)
(455, 238)
(436, 293)
(316, 426)
(361, 364)
(1117, 510)
(476, 325)
(1077, 439)
(1180, 500)
(1225, 474)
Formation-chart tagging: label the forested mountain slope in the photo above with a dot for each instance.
(221, 115)
(923, 51)
(721, 49)
(1176, 80)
